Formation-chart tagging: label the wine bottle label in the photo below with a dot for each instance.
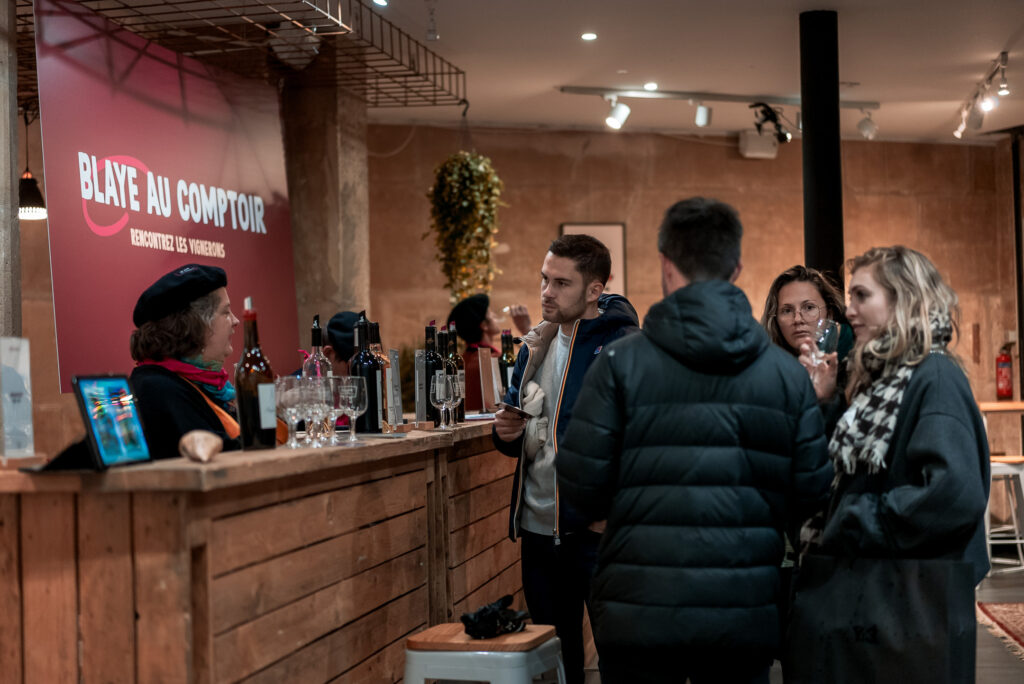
(421, 386)
(508, 375)
(462, 384)
(268, 405)
(380, 402)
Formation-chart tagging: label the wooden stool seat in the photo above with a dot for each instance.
(451, 636)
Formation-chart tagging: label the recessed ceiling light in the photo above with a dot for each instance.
(650, 85)
(589, 36)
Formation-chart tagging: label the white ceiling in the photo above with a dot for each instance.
(920, 59)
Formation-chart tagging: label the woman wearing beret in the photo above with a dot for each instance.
(183, 338)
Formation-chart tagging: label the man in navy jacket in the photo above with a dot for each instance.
(558, 549)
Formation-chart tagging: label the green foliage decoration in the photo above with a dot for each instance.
(464, 203)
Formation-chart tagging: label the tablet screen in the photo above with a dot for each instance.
(108, 409)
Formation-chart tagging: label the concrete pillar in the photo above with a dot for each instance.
(10, 242)
(325, 156)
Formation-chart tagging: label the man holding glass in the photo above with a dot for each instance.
(558, 550)
(699, 442)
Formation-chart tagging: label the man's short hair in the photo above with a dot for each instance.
(591, 257)
(701, 237)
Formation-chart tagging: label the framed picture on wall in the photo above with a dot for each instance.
(613, 235)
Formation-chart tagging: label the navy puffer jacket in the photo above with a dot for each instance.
(700, 442)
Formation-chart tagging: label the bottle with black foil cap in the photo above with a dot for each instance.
(507, 360)
(254, 389)
(432, 365)
(385, 375)
(317, 365)
(366, 365)
(460, 371)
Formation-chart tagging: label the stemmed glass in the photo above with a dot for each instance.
(315, 393)
(441, 387)
(452, 401)
(335, 407)
(289, 401)
(826, 339)
(352, 398)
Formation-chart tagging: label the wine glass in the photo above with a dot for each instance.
(352, 395)
(289, 401)
(316, 397)
(826, 339)
(440, 390)
(453, 399)
(335, 407)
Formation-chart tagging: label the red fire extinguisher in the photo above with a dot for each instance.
(1004, 373)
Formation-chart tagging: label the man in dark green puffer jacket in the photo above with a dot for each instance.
(700, 442)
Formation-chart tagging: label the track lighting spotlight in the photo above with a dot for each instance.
(987, 101)
(703, 118)
(765, 114)
(1004, 88)
(867, 127)
(985, 96)
(618, 114)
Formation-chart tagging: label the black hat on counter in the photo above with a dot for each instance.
(468, 315)
(341, 335)
(176, 290)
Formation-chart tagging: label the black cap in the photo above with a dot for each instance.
(176, 290)
(341, 335)
(468, 315)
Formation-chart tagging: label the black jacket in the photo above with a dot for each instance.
(700, 442)
(929, 501)
(170, 407)
(589, 338)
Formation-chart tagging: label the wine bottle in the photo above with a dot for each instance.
(385, 376)
(365, 364)
(460, 371)
(254, 389)
(507, 360)
(317, 365)
(432, 365)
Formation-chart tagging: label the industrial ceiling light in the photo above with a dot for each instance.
(432, 33)
(984, 96)
(988, 101)
(31, 206)
(1004, 88)
(765, 114)
(958, 133)
(703, 117)
(867, 127)
(618, 114)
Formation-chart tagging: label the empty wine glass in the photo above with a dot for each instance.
(352, 395)
(316, 397)
(335, 407)
(289, 401)
(453, 399)
(826, 339)
(440, 390)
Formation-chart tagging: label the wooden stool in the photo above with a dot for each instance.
(447, 652)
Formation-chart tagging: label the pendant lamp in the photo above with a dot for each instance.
(31, 205)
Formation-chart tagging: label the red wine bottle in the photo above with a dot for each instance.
(432, 365)
(254, 389)
(365, 364)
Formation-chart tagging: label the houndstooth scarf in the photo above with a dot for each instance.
(862, 436)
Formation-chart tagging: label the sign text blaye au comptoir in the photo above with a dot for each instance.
(114, 181)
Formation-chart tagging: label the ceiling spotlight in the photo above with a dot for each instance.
(703, 118)
(382, 3)
(975, 117)
(432, 33)
(618, 114)
(1004, 89)
(959, 132)
(588, 36)
(650, 85)
(867, 127)
(988, 102)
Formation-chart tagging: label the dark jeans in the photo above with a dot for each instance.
(674, 666)
(556, 584)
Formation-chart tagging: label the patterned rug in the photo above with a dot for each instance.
(1006, 621)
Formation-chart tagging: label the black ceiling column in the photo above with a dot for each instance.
(822, 169)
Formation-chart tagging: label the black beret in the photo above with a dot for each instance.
(468, 315)
(176, 290)
(341, 335)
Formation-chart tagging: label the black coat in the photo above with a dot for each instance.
(170, 407)
(700, 442)
(929, 501)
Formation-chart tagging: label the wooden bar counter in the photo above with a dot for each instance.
(308, 565)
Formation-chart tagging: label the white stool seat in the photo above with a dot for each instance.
(450, 659)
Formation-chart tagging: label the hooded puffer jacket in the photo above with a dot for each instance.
(700, 442)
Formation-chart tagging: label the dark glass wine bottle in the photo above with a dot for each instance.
(385, 376)
(366, 365)
(507, 360)
(460, 371)
(254, 389)
(432, 365)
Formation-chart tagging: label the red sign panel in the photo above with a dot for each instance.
(153, 161)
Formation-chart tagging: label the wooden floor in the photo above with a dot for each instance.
(996, 665)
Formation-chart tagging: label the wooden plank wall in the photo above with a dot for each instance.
(483, 562)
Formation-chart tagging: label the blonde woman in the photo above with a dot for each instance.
(912, 480)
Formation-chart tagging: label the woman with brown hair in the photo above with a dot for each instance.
(183, 338)
(905, 527)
